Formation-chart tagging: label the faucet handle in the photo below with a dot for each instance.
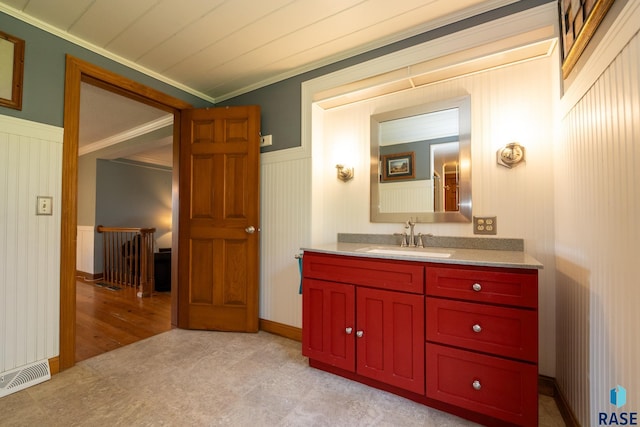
(419, 239)
(403, 241)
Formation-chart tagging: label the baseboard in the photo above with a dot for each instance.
(281, 329)
(54, 365)
(548, 386)
(88, 276)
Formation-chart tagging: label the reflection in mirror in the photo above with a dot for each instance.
(421, 163)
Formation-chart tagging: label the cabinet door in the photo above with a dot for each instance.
(390, 338)
(328, 323)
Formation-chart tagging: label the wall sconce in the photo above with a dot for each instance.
(344, 173)
(511, 155)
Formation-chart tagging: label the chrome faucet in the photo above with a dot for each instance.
(412, 237)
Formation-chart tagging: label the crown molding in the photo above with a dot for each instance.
(127, 135)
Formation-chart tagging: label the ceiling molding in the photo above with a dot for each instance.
(127, 135)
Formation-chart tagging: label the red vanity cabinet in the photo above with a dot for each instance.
(328, 321)
(372, 325)
(463, 339)
(482, 340)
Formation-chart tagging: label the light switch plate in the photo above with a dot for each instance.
(265, 140)
(485, 225)
(44, 205)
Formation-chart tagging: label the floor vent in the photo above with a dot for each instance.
(24, 377)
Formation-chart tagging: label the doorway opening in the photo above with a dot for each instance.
(124, 173)
(78, 72)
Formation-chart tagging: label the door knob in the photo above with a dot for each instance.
(250, 229)
(359, 334)
(348, 330)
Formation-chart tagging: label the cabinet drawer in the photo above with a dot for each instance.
(517, 287)
(503, 331)
(375, 273)
(489, 385)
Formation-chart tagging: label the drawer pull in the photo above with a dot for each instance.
(476, 385)
(477, 328)
(477, 287)
(359, 334)
(348, 330)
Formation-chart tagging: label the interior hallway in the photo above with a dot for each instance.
(196, 378)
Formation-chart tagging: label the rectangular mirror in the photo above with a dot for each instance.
(11, 71)
(421, 163)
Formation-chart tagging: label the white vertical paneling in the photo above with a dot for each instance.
(408, 196)
(30, 165)
(514, 103)
(84, 249)
(285, 225)
(597, 232)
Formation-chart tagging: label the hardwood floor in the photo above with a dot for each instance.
(108, 319)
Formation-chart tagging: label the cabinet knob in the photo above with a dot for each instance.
(477, 287)
(477, 328)
(359, 334)
(476, 385)
(348, 331)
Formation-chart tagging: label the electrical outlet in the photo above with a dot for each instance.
(485, 225)
(265, 140)
(44, 205)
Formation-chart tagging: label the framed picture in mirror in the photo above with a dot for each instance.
(398, 166)
(11, 70)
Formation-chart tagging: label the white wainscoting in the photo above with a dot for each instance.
(409, 196)
(30, 166)
(285, 225)
(597, 230)
(84, 249)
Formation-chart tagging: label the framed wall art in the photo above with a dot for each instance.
(398, 166)
(580, 20)
(11, 71)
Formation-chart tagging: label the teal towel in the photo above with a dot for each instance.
(300, 267)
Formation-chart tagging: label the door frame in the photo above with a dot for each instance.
(78, 71)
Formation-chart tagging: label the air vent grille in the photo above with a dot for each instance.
(23, 377)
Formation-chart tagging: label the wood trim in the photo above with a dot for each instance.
(77, 71)
(18, 72)
(54, 365)
(548, 386)
(281, 329)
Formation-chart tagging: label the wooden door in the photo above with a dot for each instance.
(390, 339)
(218, 267)
(328, 323)
(450, 192)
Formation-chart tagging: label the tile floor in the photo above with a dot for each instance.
(195, 378)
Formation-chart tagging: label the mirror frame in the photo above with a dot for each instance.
(464, 156)
(17, 69)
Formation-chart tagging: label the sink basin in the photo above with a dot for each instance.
(408, 252)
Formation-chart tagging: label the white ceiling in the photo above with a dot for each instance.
(216, 49)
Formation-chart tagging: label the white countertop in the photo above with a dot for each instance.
(479, 257)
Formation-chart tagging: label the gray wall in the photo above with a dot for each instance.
(129, 195)
(280, 102)
(44, 68)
